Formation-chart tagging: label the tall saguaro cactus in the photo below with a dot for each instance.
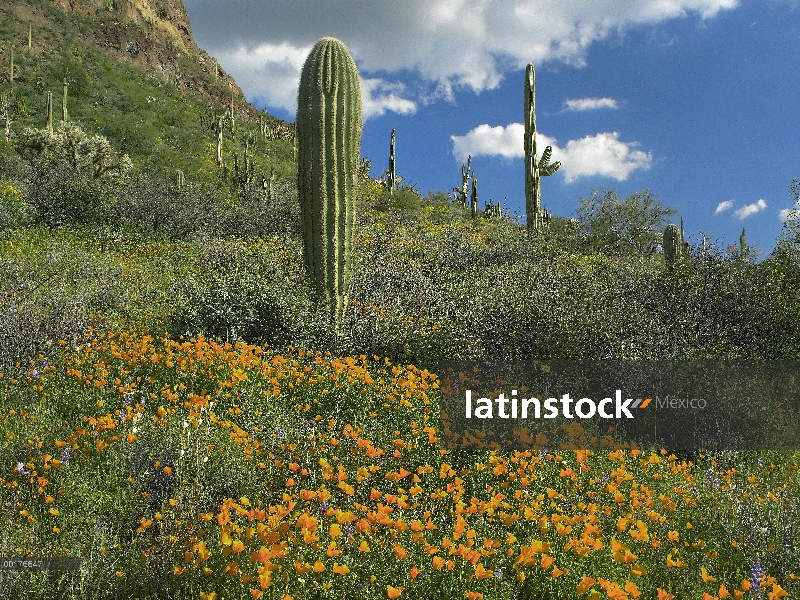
(328, 130)
(474, 199)
(392, 176)
(534, 169)
(744, 249)
(64, 102)
(49, 120)
(672, 244)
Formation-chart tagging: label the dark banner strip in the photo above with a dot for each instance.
(675, 405)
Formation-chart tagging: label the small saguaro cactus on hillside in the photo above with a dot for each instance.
(49, 107)
(474, 200)
(11, 68)
(391, 178)
(672, 244)
(64, 102)
(534, 169)
(744, 249)
(328, 134)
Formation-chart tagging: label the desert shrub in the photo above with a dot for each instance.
(50, 291)
(74, 176)
(14, 211)
(242, 292)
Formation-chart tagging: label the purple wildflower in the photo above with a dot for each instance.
(756, 573)
(65, 456)
(21, 469)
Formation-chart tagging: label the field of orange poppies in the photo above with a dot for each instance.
(193, 468)
(186, 466)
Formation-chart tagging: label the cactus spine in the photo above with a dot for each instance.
(534, 170)
(49, 121)
(672, 244)
(392, 177)
(328, 134)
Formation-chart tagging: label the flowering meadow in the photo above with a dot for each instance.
(142, 434)
(193, 468)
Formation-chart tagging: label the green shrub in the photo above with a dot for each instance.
(14, 211)
(74, 176)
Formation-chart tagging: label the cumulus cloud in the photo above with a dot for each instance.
(580, 104)
(787, 213)
(601, 154)
(427, 38)
(491, 141)
(269, 73)
(378, 96)
(750, 209)
(724, 206)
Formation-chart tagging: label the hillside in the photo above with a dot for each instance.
(134, 75)
(201, 187)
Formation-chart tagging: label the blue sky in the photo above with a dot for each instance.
(696, 100)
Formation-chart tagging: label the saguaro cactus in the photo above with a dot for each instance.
(49, 121)
(744, 249)
(328, 130)
(180, 180)
(392, 176)
(534, 170)
(219, 127)
(64, 103)
(462, 192)
(474, 199)
(672, 244)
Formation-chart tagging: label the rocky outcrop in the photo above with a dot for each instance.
(153, 36)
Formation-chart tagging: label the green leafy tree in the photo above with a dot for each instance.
(74, 176)
(789, 239)
(622, 227)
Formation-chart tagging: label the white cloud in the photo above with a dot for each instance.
(378, 96)
(589, 104)
(602, 154)
(268, 72)
(751, 209)
(448, 43)
(490, 141)
(271, 74)
(788, 213)
(725, 205)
